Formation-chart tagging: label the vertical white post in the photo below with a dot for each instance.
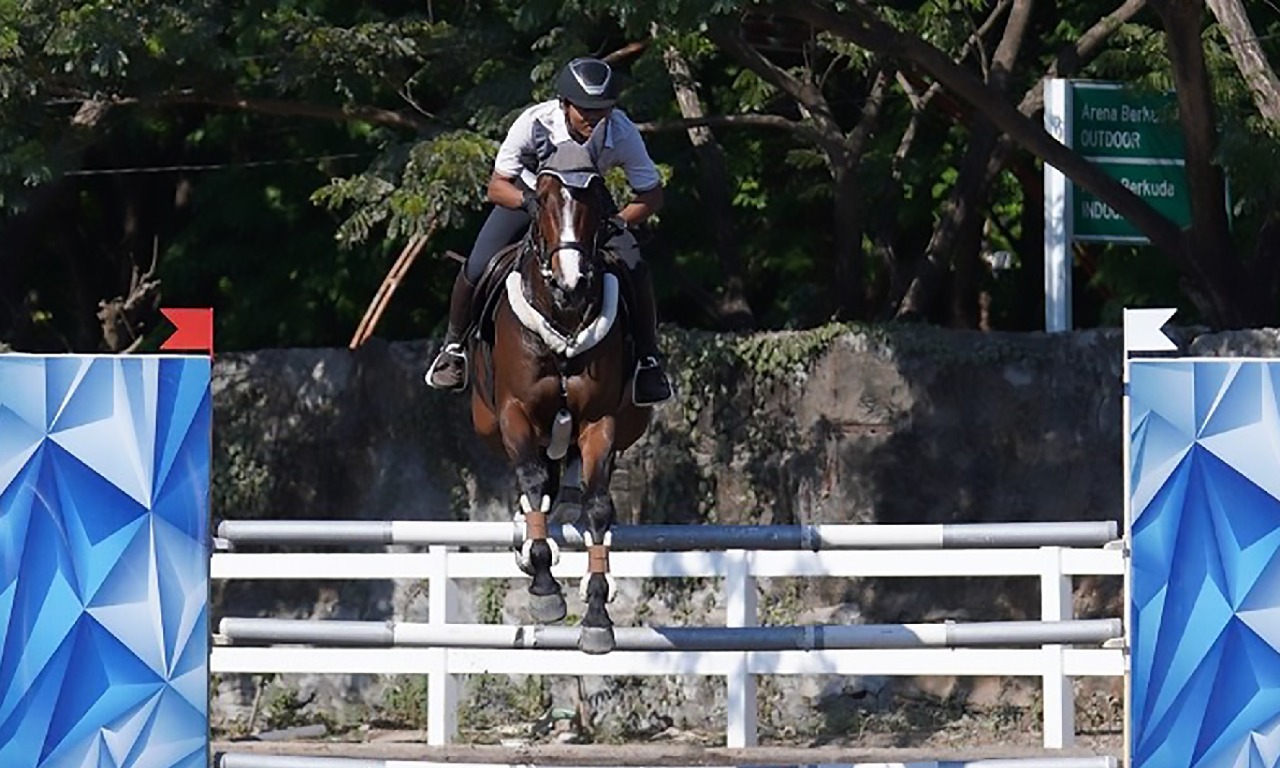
(1058, 226)
(1059, 695)
(1126, 447)
(740, 611)
(442, 687)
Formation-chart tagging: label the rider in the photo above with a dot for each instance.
(585, 113)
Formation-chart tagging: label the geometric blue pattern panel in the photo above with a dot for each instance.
(1205, 498)
(104, 487)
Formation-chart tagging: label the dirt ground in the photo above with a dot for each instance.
(651, 754)
(973, 735)
(909, 728)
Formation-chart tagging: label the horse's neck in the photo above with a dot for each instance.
(564, 333)
(539, 295)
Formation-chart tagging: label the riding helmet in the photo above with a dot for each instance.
(588, 83)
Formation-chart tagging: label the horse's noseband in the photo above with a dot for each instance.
(586, 249)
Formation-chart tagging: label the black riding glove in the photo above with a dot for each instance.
(616, 224)
(529, 203)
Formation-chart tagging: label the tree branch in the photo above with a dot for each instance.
(733, 42)
(862, 26)
(1249, 57)
(1219, 277)
(263, 106)
(813, 104)
(748, 120)
(1086, 49)
(626, 52)
(715, 186)
(869, 118)
(347, 113)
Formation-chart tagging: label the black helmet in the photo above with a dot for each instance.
(588, 83)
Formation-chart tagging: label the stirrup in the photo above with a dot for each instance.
(452, 350)
(646, 363)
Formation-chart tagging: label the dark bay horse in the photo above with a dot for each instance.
(559, 383)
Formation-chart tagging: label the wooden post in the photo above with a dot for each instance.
(388, 287)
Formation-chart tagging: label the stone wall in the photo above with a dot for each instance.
(900, 424)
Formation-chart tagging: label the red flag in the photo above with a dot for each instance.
(193, 329)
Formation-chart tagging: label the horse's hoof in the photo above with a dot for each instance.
(596, 640)
(547, 609)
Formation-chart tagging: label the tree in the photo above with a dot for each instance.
(121, 117)
(1215, 283)
(731, 308)
(1249, 56)
(853, 160)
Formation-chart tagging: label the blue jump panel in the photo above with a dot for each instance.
(104, 565)
(1205, 500)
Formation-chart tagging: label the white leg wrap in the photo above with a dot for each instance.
(526, 506)
(522, 552)
(527, 547)
(523, 561)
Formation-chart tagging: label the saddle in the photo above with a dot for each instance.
(489, 292)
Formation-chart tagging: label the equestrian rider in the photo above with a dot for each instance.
(585, 113)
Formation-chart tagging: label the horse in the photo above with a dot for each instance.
(553, 392)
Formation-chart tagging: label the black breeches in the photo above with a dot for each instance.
(503, 227)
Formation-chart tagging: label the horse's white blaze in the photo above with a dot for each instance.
(569, 259)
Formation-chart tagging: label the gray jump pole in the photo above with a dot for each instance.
(675, 538)
(244, 760)
(249, 631)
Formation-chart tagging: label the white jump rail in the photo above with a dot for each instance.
(909, 551)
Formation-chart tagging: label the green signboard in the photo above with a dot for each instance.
(1164, 187)
(1136, 139)
(1108, 121)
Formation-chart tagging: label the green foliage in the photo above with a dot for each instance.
(404, 702)
(275, 156)
(286, 709)
(1125, 276)
(490, 601)
(495, 701)
(432, 184)
(1138, 57)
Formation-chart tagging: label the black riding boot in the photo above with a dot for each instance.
(449, 369)
(650, 386)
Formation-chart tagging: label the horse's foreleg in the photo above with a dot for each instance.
(538, 552)
(595, 444)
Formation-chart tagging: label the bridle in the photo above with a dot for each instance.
(588, 249)
(574, 310)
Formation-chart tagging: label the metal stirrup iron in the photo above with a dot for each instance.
(451, 350)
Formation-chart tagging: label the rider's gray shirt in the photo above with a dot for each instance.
(615, 144)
